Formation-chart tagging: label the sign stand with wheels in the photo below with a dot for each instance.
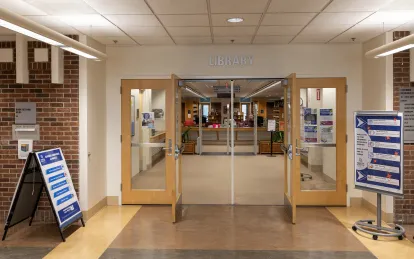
(379, 163)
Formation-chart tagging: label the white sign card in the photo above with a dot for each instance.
(271, 125)
(24, 147)
(407, 107)
(379, 154)
(60, 186)
(25, 113)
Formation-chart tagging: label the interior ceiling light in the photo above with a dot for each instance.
(34, 30)
(392, 47)
(265, 88)
(80, 53)
(28, 33)
(189, 89)
(235, 19)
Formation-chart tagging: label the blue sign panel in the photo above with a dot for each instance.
(60, 186)
(205, 100)
(379, 152)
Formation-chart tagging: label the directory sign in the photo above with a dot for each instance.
(379, 152)
(59, 185)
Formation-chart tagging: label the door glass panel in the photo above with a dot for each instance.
(148, 139)
(288, 137)
(318, 139)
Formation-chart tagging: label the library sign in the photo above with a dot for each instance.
(230, 60)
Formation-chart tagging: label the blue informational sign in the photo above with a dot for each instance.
(379, 152)
(60, 186)
(205, 100)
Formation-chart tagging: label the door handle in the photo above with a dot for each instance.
(283, 148)
(169, 148)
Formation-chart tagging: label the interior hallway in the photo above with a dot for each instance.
(211, 232)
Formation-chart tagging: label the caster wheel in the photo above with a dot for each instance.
(375, 237)
(354, 228)
(400, 238)
(369, 222)
(397, 228)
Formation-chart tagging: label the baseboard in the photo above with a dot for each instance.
(355, 202)
(92, 211)
(112, 200)
(387, 217)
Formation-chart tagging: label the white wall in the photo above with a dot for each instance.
(377, 94)
(336, 60)
(92, 127)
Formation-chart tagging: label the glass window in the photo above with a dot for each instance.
(244, 111)
(206, 109)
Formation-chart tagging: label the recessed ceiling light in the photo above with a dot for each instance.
(235, 19)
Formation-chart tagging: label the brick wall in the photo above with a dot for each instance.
(404, 208)
(57, 115)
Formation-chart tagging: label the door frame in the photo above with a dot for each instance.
(336, 197)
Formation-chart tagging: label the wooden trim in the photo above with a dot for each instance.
(97, 207)
(355, 202)
(112, 200)
(332, 197)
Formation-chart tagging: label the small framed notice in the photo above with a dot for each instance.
(271, 125)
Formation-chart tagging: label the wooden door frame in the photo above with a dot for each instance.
(329, 197)
(143, 196)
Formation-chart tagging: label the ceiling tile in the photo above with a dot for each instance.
(47, 21)
(234, 31)
(84, 20)
(340, 18)
(389, 17)
(133, 20)
(62, 7)
(189, 31)
(236, 40)
(238, 6)
(119, 6)
(328, 30)
(21, 7)
(279, 30)
(192, 40)
(100, 30)
(178, 6)
(280, 6)
(311, 39)
(145, 31)
(154, 40)
(67, 30)
(249, 19)
(400, 5)
(124, 40)
(362, 32)
(288, 18)
(184, 20)
(356, 5)
(272, 39)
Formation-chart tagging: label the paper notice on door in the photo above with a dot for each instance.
(327, 134)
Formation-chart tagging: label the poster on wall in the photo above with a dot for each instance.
(407, 107)
(311, 134)
(59, 185)
(326, 123)
(379, 152)
(24, 146)
(148, 120)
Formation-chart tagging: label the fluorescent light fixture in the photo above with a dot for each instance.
(26, 32)
(392, 47)
(235, 19)
(265, 88)
(78, 52)
(409, 46)
(194, 92)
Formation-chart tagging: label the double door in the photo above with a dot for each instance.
(314, 145)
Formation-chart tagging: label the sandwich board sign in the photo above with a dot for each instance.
(47, 170)
(379, 152)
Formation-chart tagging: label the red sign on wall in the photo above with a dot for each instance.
(318, 94)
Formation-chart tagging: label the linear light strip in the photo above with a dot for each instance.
(37, 31)
(392, 47)
(263, 89)
(194, 92)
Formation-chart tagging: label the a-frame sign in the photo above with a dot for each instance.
(45, 169)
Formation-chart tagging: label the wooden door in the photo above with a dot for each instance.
(292, 130)
(148, 139)
(322, 158)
